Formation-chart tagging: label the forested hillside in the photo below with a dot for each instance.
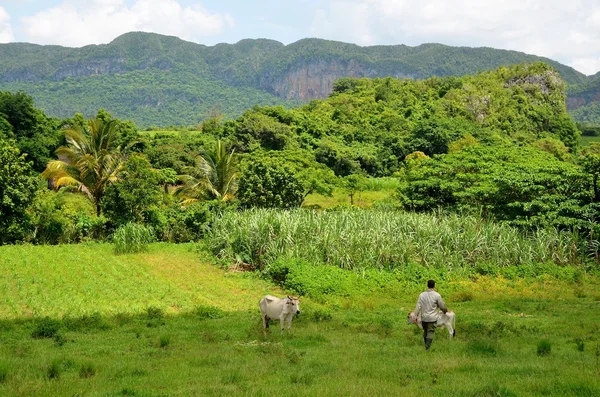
(498, 144)
(158, 80)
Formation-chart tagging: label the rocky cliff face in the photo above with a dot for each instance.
(313, 79)
(310, 80)
(576, 101)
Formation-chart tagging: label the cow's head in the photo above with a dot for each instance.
(294, 304)
(411, 318)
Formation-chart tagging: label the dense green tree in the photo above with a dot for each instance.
(5, 129)
(17, 187)
(268, 183)
(136, 191)
(35, 134)
(91, 160)
(521, 185)
(255, 129)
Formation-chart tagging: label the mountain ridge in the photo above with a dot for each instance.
(250, 70)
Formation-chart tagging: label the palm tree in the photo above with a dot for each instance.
(214, 176)
(91, 161)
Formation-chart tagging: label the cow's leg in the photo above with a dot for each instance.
(450, 330)
(282, 323)
(265, 321)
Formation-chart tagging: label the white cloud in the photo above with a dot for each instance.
(6, 34)
(566, 31)
(99, 21)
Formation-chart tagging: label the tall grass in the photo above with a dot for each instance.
(384, 240)
(132, 237)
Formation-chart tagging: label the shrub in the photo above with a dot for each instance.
(544, 347)
(46, 328)
(87, 370)
(59, 339)
(463, 296)
(86, 322)
(164, 341)
(208, 312)
(580, 344)
(54, 369)
(183, 224)
(132, 238)
(156, 317)
(155, 313)
(319, 315)
(306, 279)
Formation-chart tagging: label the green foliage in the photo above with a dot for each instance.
(34, 133)
(316, 281)
(544, 347)
(353, 184)
(135, 192)
(64, 217)
(415, 244)
(161, 80)
(267, 183)
(214, 177)
(86, 323)
(18, 185)
(91, 161)
(254, 128)
(132, 238)
(87, 370)
(164, 341)
(208, 312)
(46, 327)
(176, 223)
(521, 185)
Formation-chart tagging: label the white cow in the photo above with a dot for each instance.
(444, 320)
(284, 309)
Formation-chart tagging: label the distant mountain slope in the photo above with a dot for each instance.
(584, 101)
(162, 80)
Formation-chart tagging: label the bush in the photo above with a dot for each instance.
(132, 238)
(46, 328)
(54, 370)
(90, 322)
(164, 341)
(319, 315)
(208, 312)
(183, 224)
(87, 370)
(306, 279)
(156, 316)
(544, 348)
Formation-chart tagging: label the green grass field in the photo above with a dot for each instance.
(168, 323)
(586, 140)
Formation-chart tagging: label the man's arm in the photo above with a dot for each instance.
(418, 307)
(442, 305)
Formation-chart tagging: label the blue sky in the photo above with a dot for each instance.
(568, 32)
